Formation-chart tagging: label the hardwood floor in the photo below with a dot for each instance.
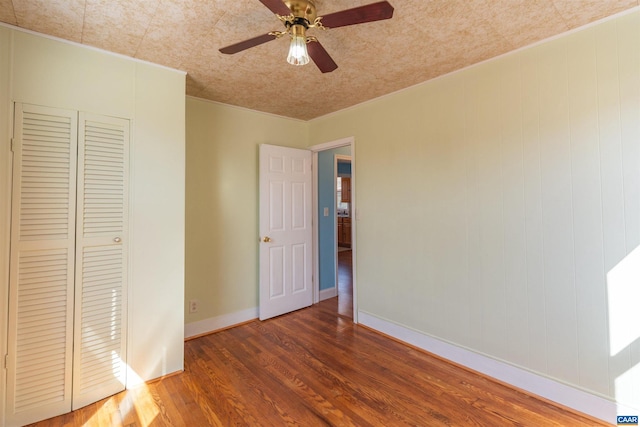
(314, 367)
(345, 283)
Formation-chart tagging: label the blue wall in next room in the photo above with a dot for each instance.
(344, 169)
(327, 224)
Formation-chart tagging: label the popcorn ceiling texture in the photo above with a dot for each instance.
(424, 39)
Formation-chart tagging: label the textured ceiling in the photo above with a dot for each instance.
(424, 39)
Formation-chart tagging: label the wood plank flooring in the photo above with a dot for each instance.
(314, 367)
(345, 283)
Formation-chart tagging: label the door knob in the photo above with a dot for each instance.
(117, 240)
(266, 239)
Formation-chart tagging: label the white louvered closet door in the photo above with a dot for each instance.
(68, 276)
(42, 264)
(101, 259)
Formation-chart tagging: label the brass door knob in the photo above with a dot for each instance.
(266, 239)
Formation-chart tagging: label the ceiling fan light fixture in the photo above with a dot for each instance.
(298, 16)
(298, 54)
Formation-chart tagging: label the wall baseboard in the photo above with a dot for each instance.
(328, 293)
(224, 321)
(562, 394)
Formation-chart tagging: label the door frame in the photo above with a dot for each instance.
(315, 149)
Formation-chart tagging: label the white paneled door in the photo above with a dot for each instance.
(285, 230)
(68, 262)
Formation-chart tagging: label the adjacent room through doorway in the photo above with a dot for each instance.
(335, 227)
(345, 283)
(344, 239)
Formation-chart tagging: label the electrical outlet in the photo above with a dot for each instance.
(193, 306)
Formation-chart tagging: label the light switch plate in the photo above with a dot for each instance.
(326, 211)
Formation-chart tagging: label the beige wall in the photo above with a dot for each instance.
(500, 207)
(39, 70)
(222, 203)
(156, 341)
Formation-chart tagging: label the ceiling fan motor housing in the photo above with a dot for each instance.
(303, 11)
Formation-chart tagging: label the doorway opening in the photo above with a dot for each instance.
(344, 219)
(334, 226)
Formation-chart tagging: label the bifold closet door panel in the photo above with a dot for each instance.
(101, 258)
(42, 264)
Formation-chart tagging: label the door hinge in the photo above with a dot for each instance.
(6, 361)
(12, 142)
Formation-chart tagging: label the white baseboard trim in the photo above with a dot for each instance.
(579, 400)
(219, 322)
(328, 293)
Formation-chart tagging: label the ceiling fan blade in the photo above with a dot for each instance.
(277, 7)
(358, 15)
(239, 47)
(320, 56)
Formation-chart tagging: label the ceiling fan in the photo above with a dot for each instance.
(300, 15)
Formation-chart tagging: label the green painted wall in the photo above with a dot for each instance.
(499, 207)
(222, 202)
